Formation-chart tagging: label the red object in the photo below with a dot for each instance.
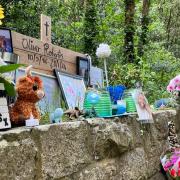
(173, 173)
(179, 164)
(179, 173)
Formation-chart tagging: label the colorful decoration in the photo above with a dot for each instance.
(174, 86)
(30, 91)
(162, 103)
(103, 52)
(121, 107)
(56, 116)
(116, 92)
(171, 158)
(103, 107)
(93, 98)
(130, 103)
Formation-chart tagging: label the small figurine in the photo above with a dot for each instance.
(56, 116)
(30, 91)
(90, 113)
(73, 113)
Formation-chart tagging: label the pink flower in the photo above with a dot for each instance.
(168, 165)
(170, 88)
(174, 84)
(178, 88)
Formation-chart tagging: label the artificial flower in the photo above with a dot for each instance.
(174, 84)
(173, 173)
(1, 12)
(103, 51)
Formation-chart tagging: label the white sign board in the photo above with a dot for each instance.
(73, 89)
(4, 114)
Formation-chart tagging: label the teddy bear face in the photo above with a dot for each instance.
(30, 89)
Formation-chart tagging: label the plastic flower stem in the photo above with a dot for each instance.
(105, 69)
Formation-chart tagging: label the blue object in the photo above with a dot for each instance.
(93, 98)
(116, 92)
(56, 116)
(161, 102)
(121, 109)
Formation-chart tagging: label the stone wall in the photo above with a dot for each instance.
(94, 149)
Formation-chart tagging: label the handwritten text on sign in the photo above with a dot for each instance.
(49, 56)
(44, 56)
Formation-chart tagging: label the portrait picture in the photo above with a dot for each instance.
(83, 69)
(5, 40)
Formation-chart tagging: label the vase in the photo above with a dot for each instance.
(103, 107)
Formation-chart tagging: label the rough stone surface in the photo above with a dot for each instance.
(93, 149)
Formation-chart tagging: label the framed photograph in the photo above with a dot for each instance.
(83, 69)
(96, 77)
(73, 89)
(5, 40)
(143, 108)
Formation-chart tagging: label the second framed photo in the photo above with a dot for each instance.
(83, 69)
(5, 40)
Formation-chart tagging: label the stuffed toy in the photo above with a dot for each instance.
(29, 90)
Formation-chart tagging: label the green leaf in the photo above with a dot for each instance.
(8, 68)
(8, 87)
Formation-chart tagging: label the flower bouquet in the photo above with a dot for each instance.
(171, 164)
(174, 87)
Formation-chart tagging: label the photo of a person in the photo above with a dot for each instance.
(5, 41)
(143, 108)
(2, 44)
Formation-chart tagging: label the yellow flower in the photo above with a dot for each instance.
(0, 22)
(1, 12)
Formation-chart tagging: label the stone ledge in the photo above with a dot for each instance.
(96, 148)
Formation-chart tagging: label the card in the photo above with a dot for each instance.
(4, 121)
(3, 101)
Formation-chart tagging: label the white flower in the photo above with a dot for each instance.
(103, 51)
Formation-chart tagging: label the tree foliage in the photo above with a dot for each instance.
(147, 31)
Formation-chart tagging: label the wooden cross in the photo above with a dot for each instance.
(45, 28)
(42, 54)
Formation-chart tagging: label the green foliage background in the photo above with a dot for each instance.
(73, 28)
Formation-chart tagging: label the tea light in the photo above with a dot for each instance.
(31, 122)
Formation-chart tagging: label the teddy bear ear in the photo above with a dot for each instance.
(28, 70)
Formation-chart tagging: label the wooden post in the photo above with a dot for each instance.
(45, 29)
(42, 54)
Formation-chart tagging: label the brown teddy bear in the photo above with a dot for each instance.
(30, 91)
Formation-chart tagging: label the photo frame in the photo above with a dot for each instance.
(73, 89)
(6, 40)
(83, 69)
